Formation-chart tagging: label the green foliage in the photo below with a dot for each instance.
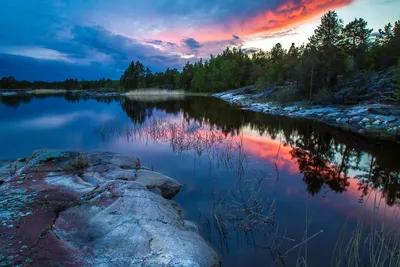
(327, 39)
(286, 94)
(68, 84)
(260, 84)
(323, 96)
(397, 81)
(397, 74)
(356, 41)
(334, 49)
(350, 64)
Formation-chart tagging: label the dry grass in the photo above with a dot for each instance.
(155, 95)
(79, 162)
(377, 245)
(48, 91)
(244, 210)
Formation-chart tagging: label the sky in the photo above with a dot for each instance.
(88, 39)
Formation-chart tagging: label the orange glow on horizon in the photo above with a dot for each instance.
(288, 15)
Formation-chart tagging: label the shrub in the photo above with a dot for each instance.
(397, 74)
(78, 163)
(286, 94)
(260, 84)
(323, 96)
(396, 77)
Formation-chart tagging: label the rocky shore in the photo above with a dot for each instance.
(376, 120)
(93, 209)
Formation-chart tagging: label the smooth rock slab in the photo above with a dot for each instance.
(106, 212)
(139, 228)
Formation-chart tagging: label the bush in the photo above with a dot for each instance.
(79, 162)
(286, 94)
(397, 74)
(323, 96)
(260, 84)
(396, 78)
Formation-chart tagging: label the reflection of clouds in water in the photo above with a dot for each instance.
(271, 150)
(52, 121)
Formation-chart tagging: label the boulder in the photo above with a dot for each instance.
(125, 162)
(291, 109)
(107, 212)
(377, 122)
(365, 120)
(168, 186)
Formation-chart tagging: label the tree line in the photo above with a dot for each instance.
(68, 84)
(334, 50)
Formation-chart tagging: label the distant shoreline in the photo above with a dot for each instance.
(150, 91)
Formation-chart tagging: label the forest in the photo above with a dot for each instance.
(334, 50)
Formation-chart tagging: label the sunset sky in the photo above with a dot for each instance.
(89, 39)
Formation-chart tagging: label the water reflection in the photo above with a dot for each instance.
(258, 172)
(326, 157)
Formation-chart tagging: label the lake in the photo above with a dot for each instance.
(265, 190)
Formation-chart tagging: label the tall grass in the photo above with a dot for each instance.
(244, 211)
(141, 92)
(48, 91)
(376, 245)
(156, 95)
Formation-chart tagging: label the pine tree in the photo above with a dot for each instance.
(357, 40)
(327, 39)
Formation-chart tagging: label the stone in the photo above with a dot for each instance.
(191, 226)
(9, 93)
(168, 186)
(365, 120)
(117, 221)
(361, 100)
(377, 122)
(121, 174)
(137, 229)
(125, 162)
(390, 118)
(291, 109)
(355, 119)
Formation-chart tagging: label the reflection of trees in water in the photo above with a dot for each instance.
(137, 112)
(326, 156)
(324, 161)
(378, 175)
(15, 101)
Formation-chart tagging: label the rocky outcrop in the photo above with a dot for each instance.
(94, 209)
(367, 87)
(362, 103)
(377, 120)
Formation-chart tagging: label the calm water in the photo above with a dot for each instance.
(257, 185)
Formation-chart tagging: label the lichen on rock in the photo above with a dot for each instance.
(108, 212)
